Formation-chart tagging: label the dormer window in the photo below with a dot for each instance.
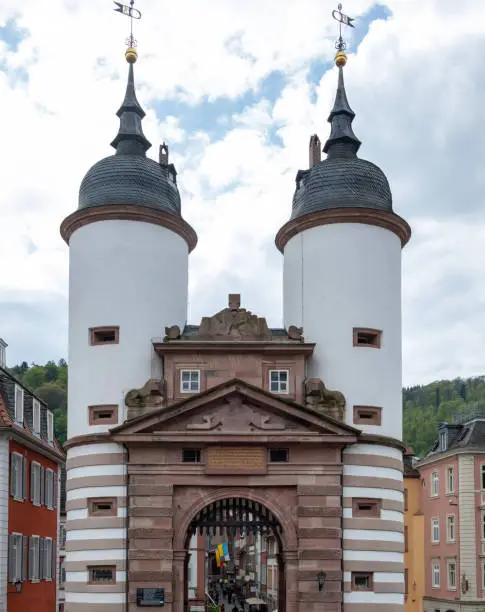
(50, 427)
(19, 405)
(278, 381)
(36, 416)
(189, 381)
(443, 440)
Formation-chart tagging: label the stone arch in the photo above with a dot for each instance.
(289, 536)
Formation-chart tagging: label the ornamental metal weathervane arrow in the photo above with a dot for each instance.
(345, 20)
(132, 13)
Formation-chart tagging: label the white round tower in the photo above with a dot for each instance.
(342, 285)
(128, 279)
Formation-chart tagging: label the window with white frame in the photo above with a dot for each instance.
(483, 576)
(34, 558)
(50, 489)
(17, 558)
(443, 440)
(36, 415)
(278, 381)
(451, 571)
(435, 573)
(483, 526)
(19, 405)
(35, 476)
(450, 479)
(18, 476)
(190, 381)
(435, 484)
(450, 528)
(62, 538)
(435, 530)
(50, 427)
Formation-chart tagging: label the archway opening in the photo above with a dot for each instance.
(234, 559)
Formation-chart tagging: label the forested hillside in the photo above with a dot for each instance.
(424, 406)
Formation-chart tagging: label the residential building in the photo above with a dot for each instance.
(413, 537)
(453, 506)
(177, 428)
(30, 459)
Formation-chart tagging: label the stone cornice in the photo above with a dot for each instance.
(233, 346)
(366, 438)
(94, 438)
(367, 216)
(110, 212)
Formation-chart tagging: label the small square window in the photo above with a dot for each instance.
(102, 574)
(367, 415)
(103, 415)
(104, 335)
(278, 455)
(19, 405)
(367, 337)
(190, 381)
(191, 455)
(366, 508)
(278, 381)
(102, 506)
(362, 581)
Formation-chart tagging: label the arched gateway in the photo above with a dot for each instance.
(241, 525)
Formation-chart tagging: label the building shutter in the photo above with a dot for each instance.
(24, 558)
(31, 558)
(25, 465)
(41, 559)
(54, 490)
(54, 560)
(11, 559)
(32, 482)
(42, 479)
(13, 474)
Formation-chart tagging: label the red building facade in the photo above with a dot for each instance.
(30, 459)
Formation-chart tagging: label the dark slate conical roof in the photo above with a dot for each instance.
(129, 177)
(342, 180)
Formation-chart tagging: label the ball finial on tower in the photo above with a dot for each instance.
(340, 58)
(131, 55)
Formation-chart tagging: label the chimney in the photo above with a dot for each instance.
(163, 155)
(315, 150)
(3, 353)
(234, 301)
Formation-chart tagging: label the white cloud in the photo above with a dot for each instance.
(416, 85)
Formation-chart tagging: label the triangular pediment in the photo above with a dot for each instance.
(235, 408)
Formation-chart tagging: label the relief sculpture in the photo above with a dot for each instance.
(325, 401)
(235, 323)
(141, 401)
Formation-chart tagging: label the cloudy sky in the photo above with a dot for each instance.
(236, 88)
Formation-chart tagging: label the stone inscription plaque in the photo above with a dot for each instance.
(236, 460)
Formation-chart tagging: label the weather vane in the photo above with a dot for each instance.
(341, 45)
(132, 13)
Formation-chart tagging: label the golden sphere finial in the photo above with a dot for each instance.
(340, 58)
(131, 55)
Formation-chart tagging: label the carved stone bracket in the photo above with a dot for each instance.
(141, 401)
(266, 425)
(295, 333)
(325, 401)
(206, 425)
(172, 333)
